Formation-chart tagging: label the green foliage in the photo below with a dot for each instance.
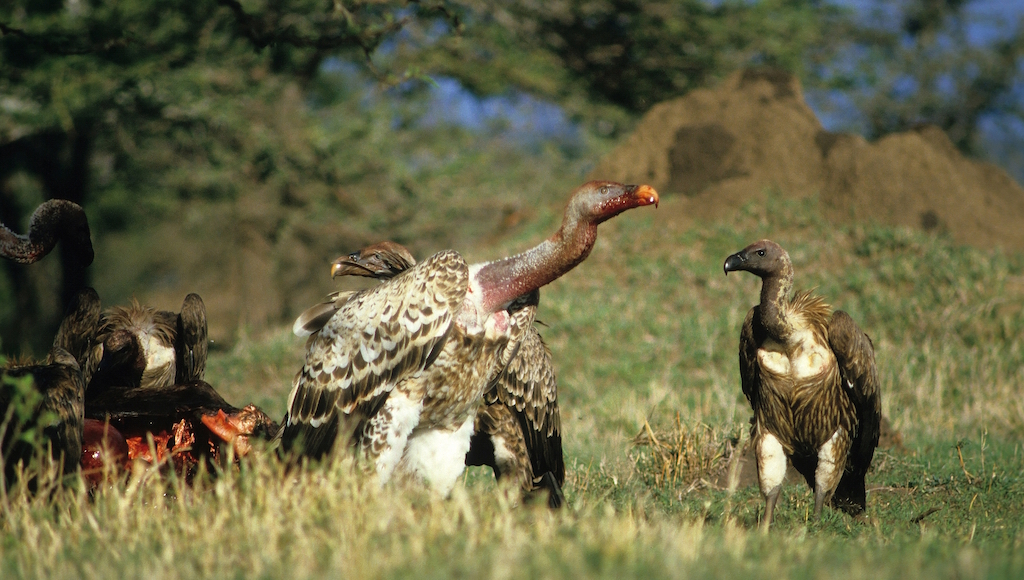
(606, 60)
(915, 61)
(23, 424)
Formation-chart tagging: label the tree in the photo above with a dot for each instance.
(935, 62)
(607, 61)
(88, 86)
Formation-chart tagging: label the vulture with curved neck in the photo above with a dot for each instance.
(517, 431)
(52, 221)
(399, 370)
(809, 375)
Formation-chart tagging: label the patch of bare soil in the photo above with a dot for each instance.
(713, 150)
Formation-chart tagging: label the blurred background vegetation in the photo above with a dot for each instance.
(220, 144)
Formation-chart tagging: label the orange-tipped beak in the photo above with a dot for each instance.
(647, 194)
(348, 266)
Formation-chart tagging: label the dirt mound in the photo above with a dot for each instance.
(719, 148)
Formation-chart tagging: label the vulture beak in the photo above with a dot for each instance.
(734, 262)
(348, 265)
(645, 195)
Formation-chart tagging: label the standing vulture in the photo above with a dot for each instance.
(517, 430)
(809, 374)
(399, 370)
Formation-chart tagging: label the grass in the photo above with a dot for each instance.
(644, 337)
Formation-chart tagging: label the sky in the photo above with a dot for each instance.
(526, 119)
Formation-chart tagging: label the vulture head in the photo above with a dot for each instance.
(597, 201)
(763, 258)
(382, 260)
(53, 220)
(592, 203)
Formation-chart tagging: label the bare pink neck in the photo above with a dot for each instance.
(508, 278)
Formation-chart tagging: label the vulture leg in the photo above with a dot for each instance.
(771, 471)
(549, 482)
(386, 433)
(438, 456)
(831, 460)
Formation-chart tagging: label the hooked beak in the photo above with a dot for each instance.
(734, 262)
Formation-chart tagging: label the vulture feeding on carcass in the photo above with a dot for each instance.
(149, 383)
(809, 374)
(141, 347)
(517, 431)
(400, 369)
(53, 220)
(52, 398)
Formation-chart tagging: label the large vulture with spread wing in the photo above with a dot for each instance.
(809, 374)
(517, 431)
(399, 370)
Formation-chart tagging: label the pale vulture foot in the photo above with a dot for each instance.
(771, 472)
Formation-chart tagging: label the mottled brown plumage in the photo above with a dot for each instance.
(399, 370)
(78, 329)
(54, 220)
(50, 401)
(517, 431)
(809, 375)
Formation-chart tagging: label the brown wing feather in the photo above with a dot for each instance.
(528, 387)
(750, 339)
(191, 340)
(375, 339)
(57, 410)
(77, 331)
(855, 355)
(315, 317)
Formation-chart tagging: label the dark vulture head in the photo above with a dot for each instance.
(763, 258)
(382, 261)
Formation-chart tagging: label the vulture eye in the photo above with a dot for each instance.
(604, 190)
(760, 253)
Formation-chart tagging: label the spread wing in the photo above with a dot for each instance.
(376, 338)
(855, 355)
(528, 387)
(191, 339)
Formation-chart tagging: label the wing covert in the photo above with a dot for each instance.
(376, 338)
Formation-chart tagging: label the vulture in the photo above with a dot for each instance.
(52, 399)
(809, 375)
(517, 431)
(53, 220)
(141, 347)
(149, 383)
(399, 370)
